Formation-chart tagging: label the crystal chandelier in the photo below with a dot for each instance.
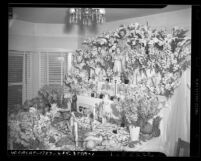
(86, 16)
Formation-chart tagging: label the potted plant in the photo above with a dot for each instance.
(130, 113)
(147, 110)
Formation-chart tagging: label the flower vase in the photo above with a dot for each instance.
(134, 132)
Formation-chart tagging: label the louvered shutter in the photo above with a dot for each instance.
(15, 78)
(55, 68)
(28, 75)
(43, 69)
(52, 68)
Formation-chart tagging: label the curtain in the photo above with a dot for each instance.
(178, 125)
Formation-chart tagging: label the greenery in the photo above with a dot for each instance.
(47, 95)
(51, 94)
(37, 124)
(142, 48)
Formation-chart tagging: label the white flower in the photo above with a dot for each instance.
(155, 40)
(32, 110)
(136, 25)
(168, 86)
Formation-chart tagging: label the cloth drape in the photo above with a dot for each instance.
(178, 125)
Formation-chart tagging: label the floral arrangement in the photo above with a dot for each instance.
(148, 108)
(22, 130)
(51, 94)
(77, 81)
(143, 48)
(158, 56)
(32, 130)
(140, 105)
(47, 95)
(130, 111)
(153, 61)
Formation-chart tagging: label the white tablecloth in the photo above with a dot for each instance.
(88, 102)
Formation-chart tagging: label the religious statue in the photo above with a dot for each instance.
(67, 98)
(74, 102)
(121, 53)
(122, 40)
(65, 101)
(118, 62)
(102, 74)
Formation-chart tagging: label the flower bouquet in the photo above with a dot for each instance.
(22, 131)
(147, 48)
(51, 94)
(148, 119)
(33, 130)
(130, 117)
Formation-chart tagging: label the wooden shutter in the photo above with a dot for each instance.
(52, 68)
(28, 76)
(43, 69)
(55, 68)
(15, 78)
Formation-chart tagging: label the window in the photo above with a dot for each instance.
(55, 68)
(52, 68)
(29, 71)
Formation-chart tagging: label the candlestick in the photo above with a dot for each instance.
(94, 112)
(76, 133)
(115, 89)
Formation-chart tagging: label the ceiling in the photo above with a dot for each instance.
(58, 15)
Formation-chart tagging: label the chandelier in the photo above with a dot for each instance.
(86, 16)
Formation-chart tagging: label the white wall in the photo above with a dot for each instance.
(31, 36)
(180, 18)
(26, 36)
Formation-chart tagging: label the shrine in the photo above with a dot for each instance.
(125, 88)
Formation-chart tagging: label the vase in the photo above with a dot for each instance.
(147, 128)
(126, 81)
(134, 132)
(92, 95)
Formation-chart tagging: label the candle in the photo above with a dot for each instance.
(94, 113)
(115, 89)
(69, 61)
(103, 120)
(134, 78)
(76, 133)
(71, 123)
(69, 105)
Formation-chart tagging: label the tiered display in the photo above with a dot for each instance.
(129, 69)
